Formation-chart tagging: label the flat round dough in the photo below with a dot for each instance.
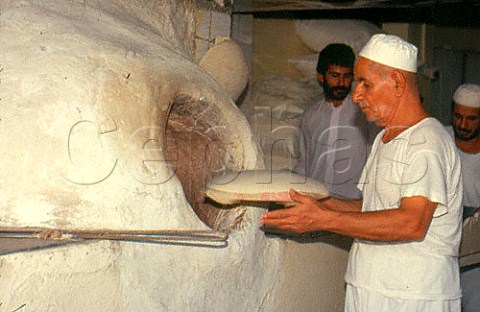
(262, 185)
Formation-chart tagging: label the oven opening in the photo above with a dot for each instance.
(200, 146)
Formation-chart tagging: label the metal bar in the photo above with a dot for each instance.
(152, 236)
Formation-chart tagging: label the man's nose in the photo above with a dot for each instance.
(357, 95)
(463, 123)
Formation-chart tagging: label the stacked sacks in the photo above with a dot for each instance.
(317, 34)
(275, 110)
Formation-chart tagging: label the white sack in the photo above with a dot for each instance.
(317, 34)
(226, 63)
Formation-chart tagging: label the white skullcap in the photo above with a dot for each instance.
(392, 51)
(468, 95)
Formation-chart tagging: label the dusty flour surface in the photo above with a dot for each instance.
(86, 90)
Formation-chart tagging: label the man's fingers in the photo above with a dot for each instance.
(274, 221)
(300, 198)
(294, 195)
(276, 214)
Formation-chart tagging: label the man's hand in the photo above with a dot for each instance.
(307, 215)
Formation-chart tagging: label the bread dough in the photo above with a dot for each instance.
(262, 185)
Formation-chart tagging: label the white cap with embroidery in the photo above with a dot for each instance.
(468, 95)
(392, 51)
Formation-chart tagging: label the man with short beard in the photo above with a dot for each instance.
(335, 136)
(465, 130)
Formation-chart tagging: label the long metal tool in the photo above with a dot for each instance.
(43, 236)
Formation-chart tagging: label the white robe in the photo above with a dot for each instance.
(334, 146)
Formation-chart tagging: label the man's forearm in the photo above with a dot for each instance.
(342, 205)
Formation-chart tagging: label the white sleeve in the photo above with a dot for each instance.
(425, 175)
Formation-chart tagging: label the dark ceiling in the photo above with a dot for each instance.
(300, 5)
(443, 13)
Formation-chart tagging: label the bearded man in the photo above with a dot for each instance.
(335, 136)
(465, 130)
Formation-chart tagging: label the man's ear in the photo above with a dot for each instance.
(320, 77)
(400, 81)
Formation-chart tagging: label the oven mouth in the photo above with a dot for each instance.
(200, 146)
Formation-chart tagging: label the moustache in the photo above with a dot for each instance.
(340, 89)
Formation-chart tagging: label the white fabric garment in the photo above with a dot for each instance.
(392, 51)
(471, 179)
(421, 161)
(334, 145)
(364, 300)
(471, 176)
(470, 280)
(467, 94)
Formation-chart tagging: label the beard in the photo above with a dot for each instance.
(335, 93)
(464, 134)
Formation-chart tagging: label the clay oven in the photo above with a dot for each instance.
(107, 123)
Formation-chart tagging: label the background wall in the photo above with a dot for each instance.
(274, 42)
